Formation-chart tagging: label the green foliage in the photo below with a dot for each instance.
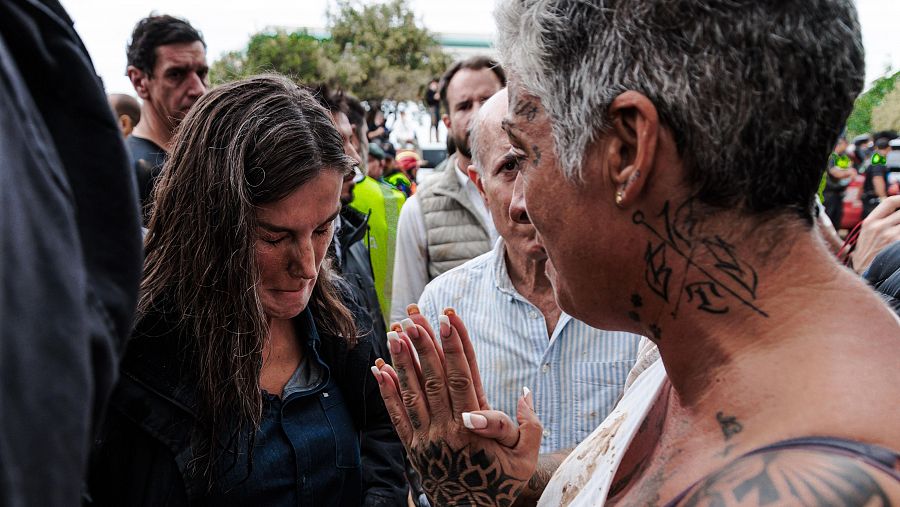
(886, 116)
(860, 120)
(377, 52)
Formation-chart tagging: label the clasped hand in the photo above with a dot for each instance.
(466, 453)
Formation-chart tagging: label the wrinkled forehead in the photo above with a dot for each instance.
(181, 54)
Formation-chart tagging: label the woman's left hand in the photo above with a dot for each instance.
(466, 453)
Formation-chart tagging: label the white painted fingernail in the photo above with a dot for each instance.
(376, 371)
(394, 342)
(474, 421)
(409, 327)
(526, 391)
(444, 322)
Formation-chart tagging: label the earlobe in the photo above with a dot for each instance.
(446, 119)
(633, 145)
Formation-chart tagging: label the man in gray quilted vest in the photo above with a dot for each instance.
(446, 223)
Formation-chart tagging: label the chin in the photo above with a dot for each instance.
(286, 305)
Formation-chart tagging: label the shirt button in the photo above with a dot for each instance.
(546, 433)
(533, 314)
(545, 368)
(324, 395)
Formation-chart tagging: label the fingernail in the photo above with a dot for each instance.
(379, 363)
(449, 312)
(474, 421)
(394, 342)
(410, 327)
(529, 399)
(445, 325)
(412, 309)
(525, 391)
(377, 373)
(396, 327)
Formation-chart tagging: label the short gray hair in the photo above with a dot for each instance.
(754, 91)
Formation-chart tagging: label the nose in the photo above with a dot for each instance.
(517, 211)
(302, 260)
(197, 86)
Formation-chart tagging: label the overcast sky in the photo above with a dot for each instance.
(105, 25)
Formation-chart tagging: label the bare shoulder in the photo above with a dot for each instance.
(796, 477)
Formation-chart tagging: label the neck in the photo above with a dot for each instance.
(709, 294)
(153, 128)
(463, 162)
(528, 276)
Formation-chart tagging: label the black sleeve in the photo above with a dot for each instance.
(70, 246)
(384, 479)
(129, 467)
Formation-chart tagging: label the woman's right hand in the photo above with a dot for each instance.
(466, 453)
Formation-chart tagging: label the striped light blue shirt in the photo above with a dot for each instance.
(577, 375)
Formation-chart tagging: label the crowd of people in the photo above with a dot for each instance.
(245, 295)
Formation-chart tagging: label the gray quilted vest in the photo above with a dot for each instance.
(454, 232)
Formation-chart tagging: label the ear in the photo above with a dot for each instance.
(125, 122)
(446, 119)
(631, 145)
(138, 80)
(476, 179)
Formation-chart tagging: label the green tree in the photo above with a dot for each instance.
(886, 116)
(377, 52)
(396, 58)
(860, 120)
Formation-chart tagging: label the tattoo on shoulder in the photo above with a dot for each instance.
(791, 477)
(463, 478)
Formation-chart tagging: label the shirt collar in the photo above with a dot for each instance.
(461, 175)
(504, 283)
(501, 274)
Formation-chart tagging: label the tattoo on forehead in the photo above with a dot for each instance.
(527, 109)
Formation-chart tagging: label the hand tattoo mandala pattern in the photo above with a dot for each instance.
(458, 478)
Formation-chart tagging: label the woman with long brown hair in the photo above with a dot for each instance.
(245, 381)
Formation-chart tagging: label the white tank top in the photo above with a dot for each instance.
(584, 478)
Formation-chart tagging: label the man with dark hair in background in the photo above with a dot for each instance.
(167, 67)
(446, 223)
(127, 111)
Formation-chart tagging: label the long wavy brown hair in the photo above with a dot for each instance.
(244, 144)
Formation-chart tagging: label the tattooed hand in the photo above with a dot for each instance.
(466, 453)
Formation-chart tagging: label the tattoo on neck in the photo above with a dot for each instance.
(729, 424)
(537, 155)
(710, 289)
(464, 477)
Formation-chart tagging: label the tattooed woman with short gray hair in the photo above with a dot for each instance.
(651, 118)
